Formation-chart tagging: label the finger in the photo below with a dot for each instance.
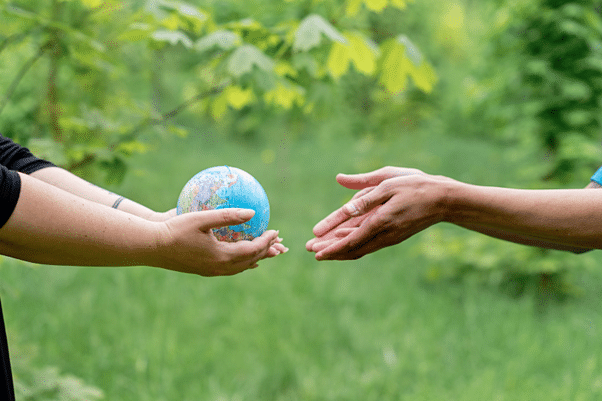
(280, 248)
(364, 180)
(319, 246)
(353, 241)
(251, 250)
(327, 232)
(223, 217)
(367, 202)
(373, 178)
(343, 232)
(376, 243)
(331, 221)
(276, 250)
(363, 192)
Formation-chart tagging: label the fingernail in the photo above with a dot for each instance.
(245, 214)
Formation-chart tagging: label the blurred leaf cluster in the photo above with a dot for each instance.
(556, 47)
(519, 270)
(89, 83)
(33, 383)
(49, 384)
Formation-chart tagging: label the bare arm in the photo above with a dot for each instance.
(396, 203)
(73, 184)
(52, 226)
(569, 218)
(527, 240)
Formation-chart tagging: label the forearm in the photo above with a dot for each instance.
(558, 219)
(75, 185)
(52, 226)
(523, 239)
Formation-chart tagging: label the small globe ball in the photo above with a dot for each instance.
(224, 187)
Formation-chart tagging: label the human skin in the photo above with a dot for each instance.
(393, 203)
(71, 183)
(51, 225)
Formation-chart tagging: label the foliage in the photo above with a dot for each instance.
(514, 268)
(558, 46)
(32, 383)
(107, 64)
(49, 384)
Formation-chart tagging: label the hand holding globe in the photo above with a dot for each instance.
(225, 187)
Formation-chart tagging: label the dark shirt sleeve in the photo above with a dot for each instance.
(14, 158)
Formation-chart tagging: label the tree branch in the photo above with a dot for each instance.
(153, 121)
(15, 38)
(178, 109)
(26, 66)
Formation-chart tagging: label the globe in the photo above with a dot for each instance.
(227, 187)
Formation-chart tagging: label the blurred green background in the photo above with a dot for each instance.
(139, 97)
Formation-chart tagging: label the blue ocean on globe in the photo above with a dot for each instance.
(227, 187)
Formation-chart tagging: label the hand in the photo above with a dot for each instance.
(187, 244)
(393, 204)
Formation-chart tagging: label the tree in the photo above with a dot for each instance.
(101, 95)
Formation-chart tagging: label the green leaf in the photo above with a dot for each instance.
(400, 59)
(135, 32)
(243, 59)
(424, 77)
(183, 9)
(48, 149)
(376, 5)
(238, 97)
(311, 30)
(285, 95)
(353, 6)
(224, 40)
(92, 3)
(395, 67)
(356, 50)
(305, 61)
(172, 37)
(412, 51)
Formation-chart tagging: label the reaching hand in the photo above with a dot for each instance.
(392, 205)
(187, 244)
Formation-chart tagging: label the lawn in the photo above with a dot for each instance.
(296, 329)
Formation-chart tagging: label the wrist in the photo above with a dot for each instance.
(451, 200)
(152, 246)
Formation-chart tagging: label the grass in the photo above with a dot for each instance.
(295, 329)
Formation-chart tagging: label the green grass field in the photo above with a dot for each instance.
(296, 329)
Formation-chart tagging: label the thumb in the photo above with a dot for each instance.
(364, 180)
(355, 207)
(374, 178)
(224, 217)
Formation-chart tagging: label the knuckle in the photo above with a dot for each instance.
(362, 203)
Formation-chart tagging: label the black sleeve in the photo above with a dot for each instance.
(14, 158)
